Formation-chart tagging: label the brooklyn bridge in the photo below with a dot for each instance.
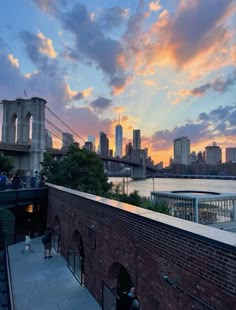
(23, 138)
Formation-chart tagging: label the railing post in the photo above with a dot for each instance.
(234, 209)
(196, 210)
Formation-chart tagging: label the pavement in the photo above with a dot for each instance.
(45, 284)
(227, 226)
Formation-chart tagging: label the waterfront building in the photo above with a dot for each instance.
(103, 143)
(200, 157)
(67, 139)
(213, 154)
(119, 140)
(193, 157)
(230, 154)
(128, 150)
(89, 146)
(91, 138)
(136, 139)
(181, 150)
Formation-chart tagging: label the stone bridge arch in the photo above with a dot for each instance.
(24, 124)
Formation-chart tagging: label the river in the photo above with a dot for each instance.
(167, 184)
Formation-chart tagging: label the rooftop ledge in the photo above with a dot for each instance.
(204, 232)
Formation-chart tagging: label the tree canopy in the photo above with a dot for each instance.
(6, 163)
(79, 169)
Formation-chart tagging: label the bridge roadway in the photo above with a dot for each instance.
(25, 148)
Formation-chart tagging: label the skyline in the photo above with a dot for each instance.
(166, 67)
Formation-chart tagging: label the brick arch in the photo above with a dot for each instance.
(119, 278)
(77, 243)
(57, 225)
(76, 259)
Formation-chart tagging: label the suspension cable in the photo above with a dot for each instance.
(65, 124)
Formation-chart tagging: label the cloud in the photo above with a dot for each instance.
(49, 6)
(77, 95)
(195, 36)
(14, 61)
(100, 104)
(154, 6)
(33, 45)
(218, 85)
(46, 46)
(92, 45)
(112, 17)
(214, 125)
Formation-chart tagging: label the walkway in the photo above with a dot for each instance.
(46, 284)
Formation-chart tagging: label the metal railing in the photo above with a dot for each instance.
(9, 282)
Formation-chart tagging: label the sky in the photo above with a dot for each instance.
(164, 67)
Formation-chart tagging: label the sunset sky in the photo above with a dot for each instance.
(165, 67)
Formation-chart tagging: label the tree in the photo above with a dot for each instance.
(160, 206)
(6, 163)
(79, 169)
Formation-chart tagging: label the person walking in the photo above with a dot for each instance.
(47, 243)
(28, 246)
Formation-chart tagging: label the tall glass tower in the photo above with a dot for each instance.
(136, 139)
(119, 140)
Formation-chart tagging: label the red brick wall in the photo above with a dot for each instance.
(148, 249)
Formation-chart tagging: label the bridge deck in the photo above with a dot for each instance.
(45, 284)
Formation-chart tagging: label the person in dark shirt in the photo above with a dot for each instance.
(47, 243)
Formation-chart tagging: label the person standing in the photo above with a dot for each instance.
(47, 243)
(27, 244)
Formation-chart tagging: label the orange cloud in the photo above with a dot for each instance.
(76, 95)
(46, 46)
(14, 61)
(29, 75)
(150, 82)
(155, 6)
(119, 110)
(177, 41)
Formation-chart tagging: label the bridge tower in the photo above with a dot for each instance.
(139, 172)
(24, 124)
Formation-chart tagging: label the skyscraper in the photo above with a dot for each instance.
(181, 150)
(136, 139)
(103, 144)
(213, 154)
(230, 154)
(119, 140)
(67, 139)
(91, 138)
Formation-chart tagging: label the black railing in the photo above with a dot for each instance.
(11, 304)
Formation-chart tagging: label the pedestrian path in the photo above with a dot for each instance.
(45, 284)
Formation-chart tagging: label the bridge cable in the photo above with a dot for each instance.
(54, 135)
(65, 124)
(53, 125)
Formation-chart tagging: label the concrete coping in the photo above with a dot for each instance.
(202, 231)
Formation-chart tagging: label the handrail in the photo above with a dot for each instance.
(9, 283)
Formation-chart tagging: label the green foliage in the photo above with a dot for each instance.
(160, 206)
(6, 163)
(79, 169)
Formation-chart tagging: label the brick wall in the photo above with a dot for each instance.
(172, 264)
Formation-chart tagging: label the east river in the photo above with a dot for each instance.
(167, 184)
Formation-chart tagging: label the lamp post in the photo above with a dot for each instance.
(153, 184)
